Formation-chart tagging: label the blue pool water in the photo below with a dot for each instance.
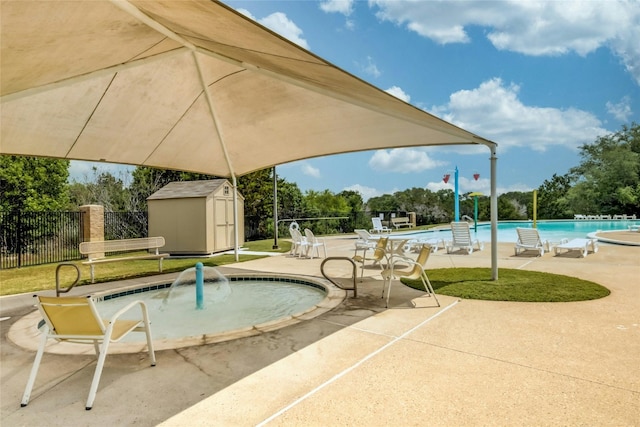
(549, 230)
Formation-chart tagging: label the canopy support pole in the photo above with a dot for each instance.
(234, 182)
(134, 11)
(494, 212)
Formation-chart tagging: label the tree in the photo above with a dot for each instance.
(384, 203)
(28, 185)
(147, 181)
(104, 189)
(33, 184)
(608, 177)
(553, 200)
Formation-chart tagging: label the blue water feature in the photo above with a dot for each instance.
(199, 287)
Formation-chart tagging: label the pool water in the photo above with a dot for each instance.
(552, 231)
(250, 302)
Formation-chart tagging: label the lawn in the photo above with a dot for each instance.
(43, 277)
(512, 285)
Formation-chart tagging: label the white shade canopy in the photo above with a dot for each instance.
(186, 85)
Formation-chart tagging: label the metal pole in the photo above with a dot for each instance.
(535, 207)
(494, 213)
(475, 214)
(275, 209)
(199, 286)
(457, 199)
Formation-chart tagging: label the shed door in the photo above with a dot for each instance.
(224, 224)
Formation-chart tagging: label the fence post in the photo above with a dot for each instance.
(92, 223)
(19, 238)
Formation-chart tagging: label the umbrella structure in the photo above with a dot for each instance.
(188, 85)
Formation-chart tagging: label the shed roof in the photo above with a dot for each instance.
(188, 189)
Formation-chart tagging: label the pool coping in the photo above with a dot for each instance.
(25, 333)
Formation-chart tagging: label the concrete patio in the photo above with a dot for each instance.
(465, 363)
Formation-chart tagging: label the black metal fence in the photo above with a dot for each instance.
(32, 238)
(125, 225)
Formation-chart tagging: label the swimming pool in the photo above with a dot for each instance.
(552, 230)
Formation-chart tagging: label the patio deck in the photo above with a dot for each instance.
(465, 363)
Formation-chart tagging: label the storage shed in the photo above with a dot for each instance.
(195, 217)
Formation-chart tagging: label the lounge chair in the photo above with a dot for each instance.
(378, 227)
(417, 272)
(581, 245)
(365, 238)
(313, 243)
(76, 319)
(529, 240)
(379, 254)
(462, 239)
(435, 243)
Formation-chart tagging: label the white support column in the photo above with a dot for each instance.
(494, 213)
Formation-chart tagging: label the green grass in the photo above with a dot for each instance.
(512, 285)
(43, 277)
(469, 283)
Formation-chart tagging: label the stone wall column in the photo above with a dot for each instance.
(92, 224)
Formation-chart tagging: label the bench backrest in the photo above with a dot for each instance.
(400, 220)
(87, 248)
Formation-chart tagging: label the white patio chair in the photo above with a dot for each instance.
(417, 272)
(299, 243)
(379, 254)
(314, 243)
(76, 319)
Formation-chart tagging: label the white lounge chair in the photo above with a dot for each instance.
(529, 240)
(435, 243)
(365, 241)
(313, 244)
(581, 245)
(462, 239)
(378, 227)
(76, 319)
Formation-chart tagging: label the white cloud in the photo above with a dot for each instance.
(494, 111)
(309, 170)
(622, 110)
(344, 7)
(371, 68)
(350, 24)
(365, 192)
(281, 24)
(399, 93)
(528, 27)
(402, 160)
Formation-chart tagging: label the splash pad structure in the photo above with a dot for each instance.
(225, 308)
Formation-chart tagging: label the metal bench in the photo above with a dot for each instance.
(96, 251)
(401, 222)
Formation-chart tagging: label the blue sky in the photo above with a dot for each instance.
(538, 78)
